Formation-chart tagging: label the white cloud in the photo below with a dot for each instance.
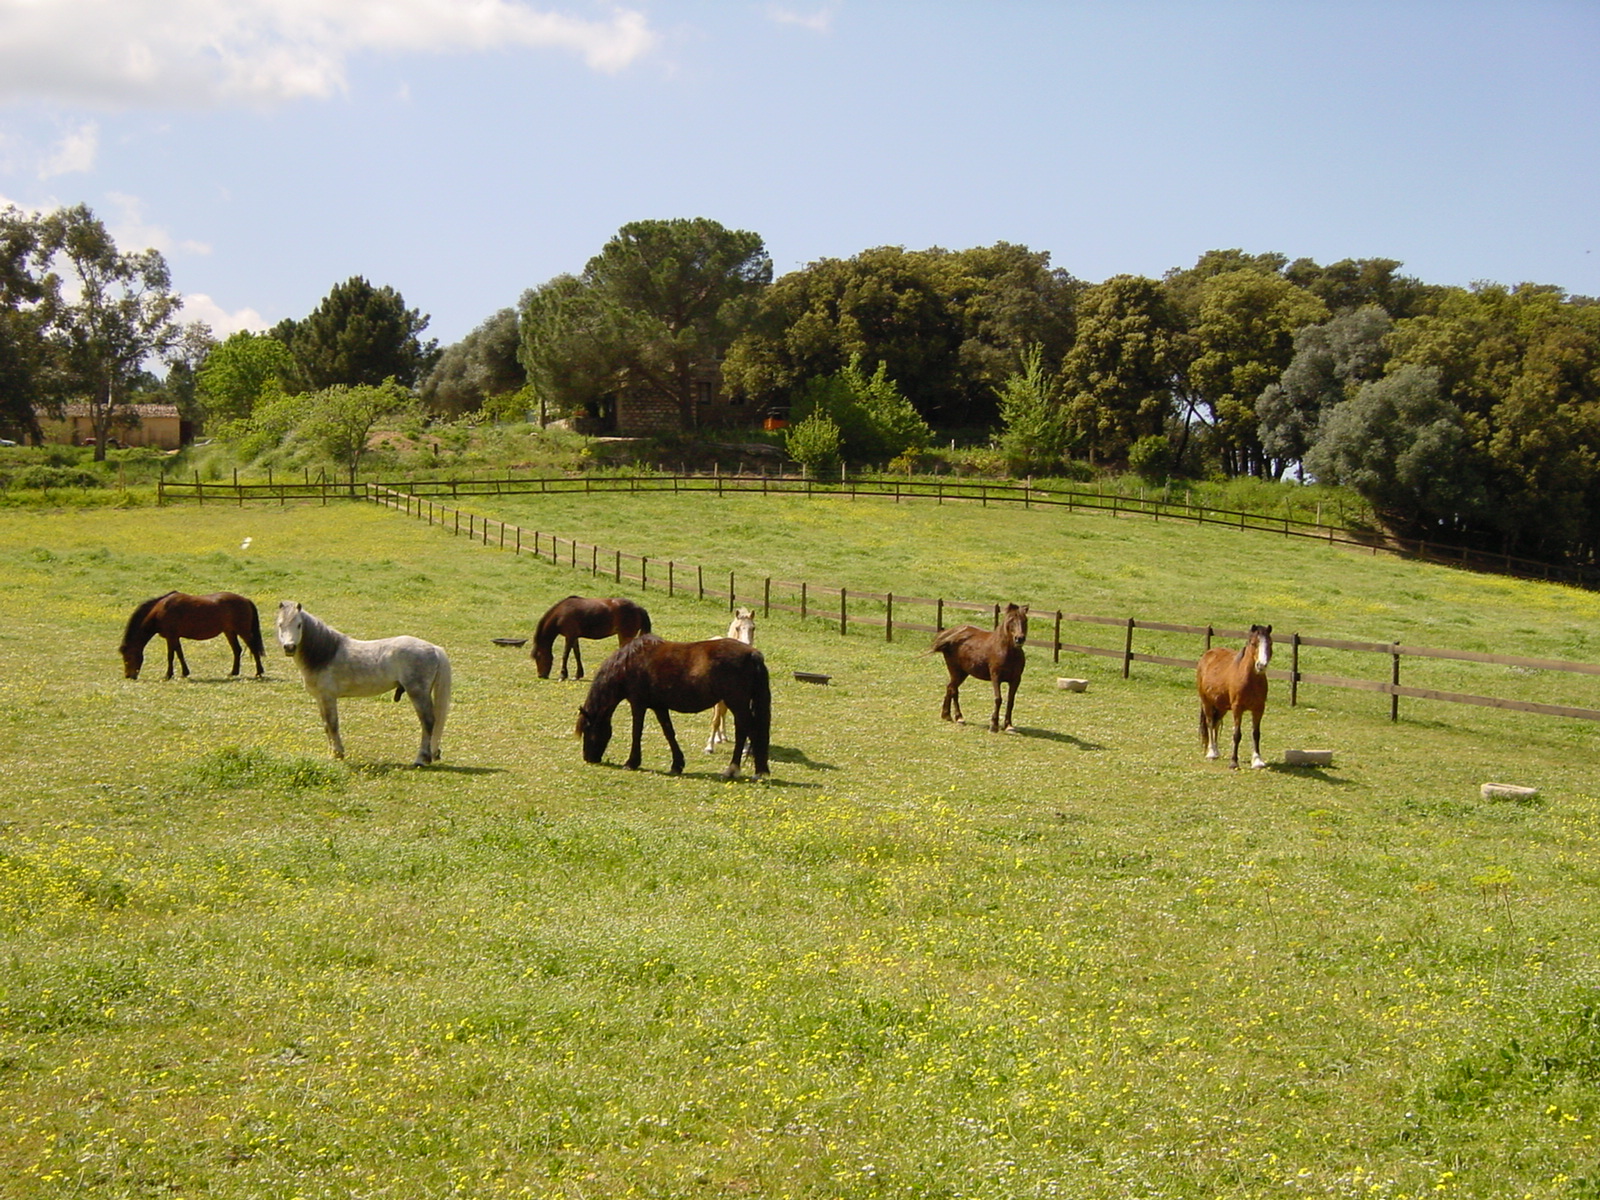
(197, 306)
(209, 52)
(73, 153)
(820, 21)
(132, 232)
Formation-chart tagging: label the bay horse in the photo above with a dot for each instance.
(1236, 682)
(663, 677)
(585, 617)
(178, 615)
(741, 629)
(995, 655)
(333, 665)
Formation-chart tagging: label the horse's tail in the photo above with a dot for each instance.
(761, 715)
(441, 696)
(253, 633)
(644, 618)
(949, 637)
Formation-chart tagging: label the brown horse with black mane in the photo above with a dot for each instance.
(585, 617)
(995, 655)
(179, 615)
(1235, 681)
(665, 677)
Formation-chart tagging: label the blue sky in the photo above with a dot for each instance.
(462, 151)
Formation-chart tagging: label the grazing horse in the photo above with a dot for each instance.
(741, 629)
(995, 655)
(335, 665)
(178, 615)
(657, 676)
(1236, 682)
(585, 617)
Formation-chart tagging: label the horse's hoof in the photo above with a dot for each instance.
(1258, 764)
(730, 772)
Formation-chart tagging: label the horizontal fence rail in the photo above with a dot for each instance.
(1027, 494)
(890, 612)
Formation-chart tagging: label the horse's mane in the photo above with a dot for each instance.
(139, 614)
(605, 691)
(319, 641)
(547, 623)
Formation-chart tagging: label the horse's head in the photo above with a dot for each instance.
(1261, 638)
(595, 730)
(543, 657)
(743, 626)
(1016, 622)
(132, 659)
(291, 619)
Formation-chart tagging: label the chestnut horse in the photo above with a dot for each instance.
(585, 617)
(664, 677)
(995, 655)
(1236, 682)
(178, 615)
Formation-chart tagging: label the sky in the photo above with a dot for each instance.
(463, 151)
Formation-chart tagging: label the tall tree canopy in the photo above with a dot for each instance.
(1117, 377)
(24, 379)
(359, 334)
(235, 373)
(480, 365)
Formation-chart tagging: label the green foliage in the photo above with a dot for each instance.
(359, 335)
(874, 421)
(1151, 458)
(1033, 424)
(339, 420)
(481, 366)
(52, 477)
(238, 371)
(814, 442)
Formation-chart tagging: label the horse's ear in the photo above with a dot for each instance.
(1269, 630)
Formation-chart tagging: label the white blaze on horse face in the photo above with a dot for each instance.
(288, 625)
(1264, 650)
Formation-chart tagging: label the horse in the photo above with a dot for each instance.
(334, 664)
(741, 629)
(1236, 682)
(585, 617)
(656, 676)
(178, 615)
(995, 655)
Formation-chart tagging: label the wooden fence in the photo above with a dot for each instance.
(981, 492)
(888, 612)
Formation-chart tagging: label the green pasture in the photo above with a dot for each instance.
(921, 961)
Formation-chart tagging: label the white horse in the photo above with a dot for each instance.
(335, 665)
(741, 629)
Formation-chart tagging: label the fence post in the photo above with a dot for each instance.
(766, 598)
(700, 583)
(730, 591)
(670, 568)
(1294, 669)
(644, 571)
(1127, 650)
(802, 599)
(888, 616)
(844, 626)
(619, 566)
(1209, 632)
(1058, 636)
(938, 618)
(1394, 697)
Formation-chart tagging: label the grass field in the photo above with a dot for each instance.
(923, 960)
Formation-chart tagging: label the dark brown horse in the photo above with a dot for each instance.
(178, 615)
(585, 617)
(995, 655)
(666, 677)
(1235, 681)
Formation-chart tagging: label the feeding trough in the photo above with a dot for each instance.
(1509, 791)
(510, 641)
(1308, 758)
(812, 677)
(1073, 685)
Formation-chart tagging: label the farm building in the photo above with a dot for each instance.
(158, 425)
(638, 408)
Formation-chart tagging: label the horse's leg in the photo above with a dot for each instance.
(1238, 729)
(741, 735)
(634, 756)
(1208, 728)
(577, 657)
(1011, 700)
(1255, 738)
(665, 718)
(717, 716)
(175, 647)
(233, 644)
(566, 655)
(994, 717)
(330, 722)
(952, 697)
(422, 701)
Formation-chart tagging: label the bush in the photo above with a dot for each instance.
(814, 443)
(39, 477)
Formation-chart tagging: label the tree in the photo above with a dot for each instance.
(670, 297)
(1329, 361)
(340, 419)
(1033, 424)
(480, 365)
(119, 311)
(236, 372)
(875, 421)
(1244, 338)
(563, 349)
(1408, 451)
(359, 334)
(813, 442)
(24, 379)
(1117, 377)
